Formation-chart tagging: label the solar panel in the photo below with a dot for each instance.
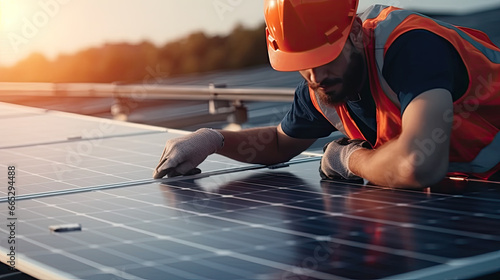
(59, 152)
(24, 126)
(91, 162)
(238, 221)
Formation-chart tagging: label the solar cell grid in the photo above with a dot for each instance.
(233, 221)
(190, 226)
(64, 166)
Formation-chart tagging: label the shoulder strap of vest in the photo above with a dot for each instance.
(375, 18)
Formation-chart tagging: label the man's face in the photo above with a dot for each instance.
(339, 80)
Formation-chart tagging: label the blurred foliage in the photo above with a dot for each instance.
(131, 63)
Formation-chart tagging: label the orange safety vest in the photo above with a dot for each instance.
(475, 138)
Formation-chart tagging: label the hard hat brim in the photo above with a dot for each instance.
(296, 61)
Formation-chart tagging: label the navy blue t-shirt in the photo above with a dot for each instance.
(416, 62)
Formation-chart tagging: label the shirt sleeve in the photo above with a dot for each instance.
(419, 61)
(303, 121)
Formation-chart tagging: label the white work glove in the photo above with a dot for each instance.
(335, 161)
(182, 155)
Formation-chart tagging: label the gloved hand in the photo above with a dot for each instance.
(335, 160)
(182, 155)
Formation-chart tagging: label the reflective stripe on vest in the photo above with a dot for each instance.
(385, 28)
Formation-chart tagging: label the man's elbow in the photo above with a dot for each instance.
(423, 173)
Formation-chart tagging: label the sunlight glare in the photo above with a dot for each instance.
(11, 13)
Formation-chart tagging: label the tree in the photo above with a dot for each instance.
(195, 53)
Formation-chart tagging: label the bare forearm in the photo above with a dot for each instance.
(395, 165)
(266, 145)
(420, 155)
(256, 145)
(382, 166)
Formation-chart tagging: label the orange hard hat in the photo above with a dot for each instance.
(304, 34)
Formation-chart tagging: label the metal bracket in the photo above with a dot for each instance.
(238, 113)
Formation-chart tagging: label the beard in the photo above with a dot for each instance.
(349, 85)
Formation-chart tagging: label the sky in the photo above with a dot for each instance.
(53, 27)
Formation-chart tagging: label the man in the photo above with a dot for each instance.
(422, 93)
